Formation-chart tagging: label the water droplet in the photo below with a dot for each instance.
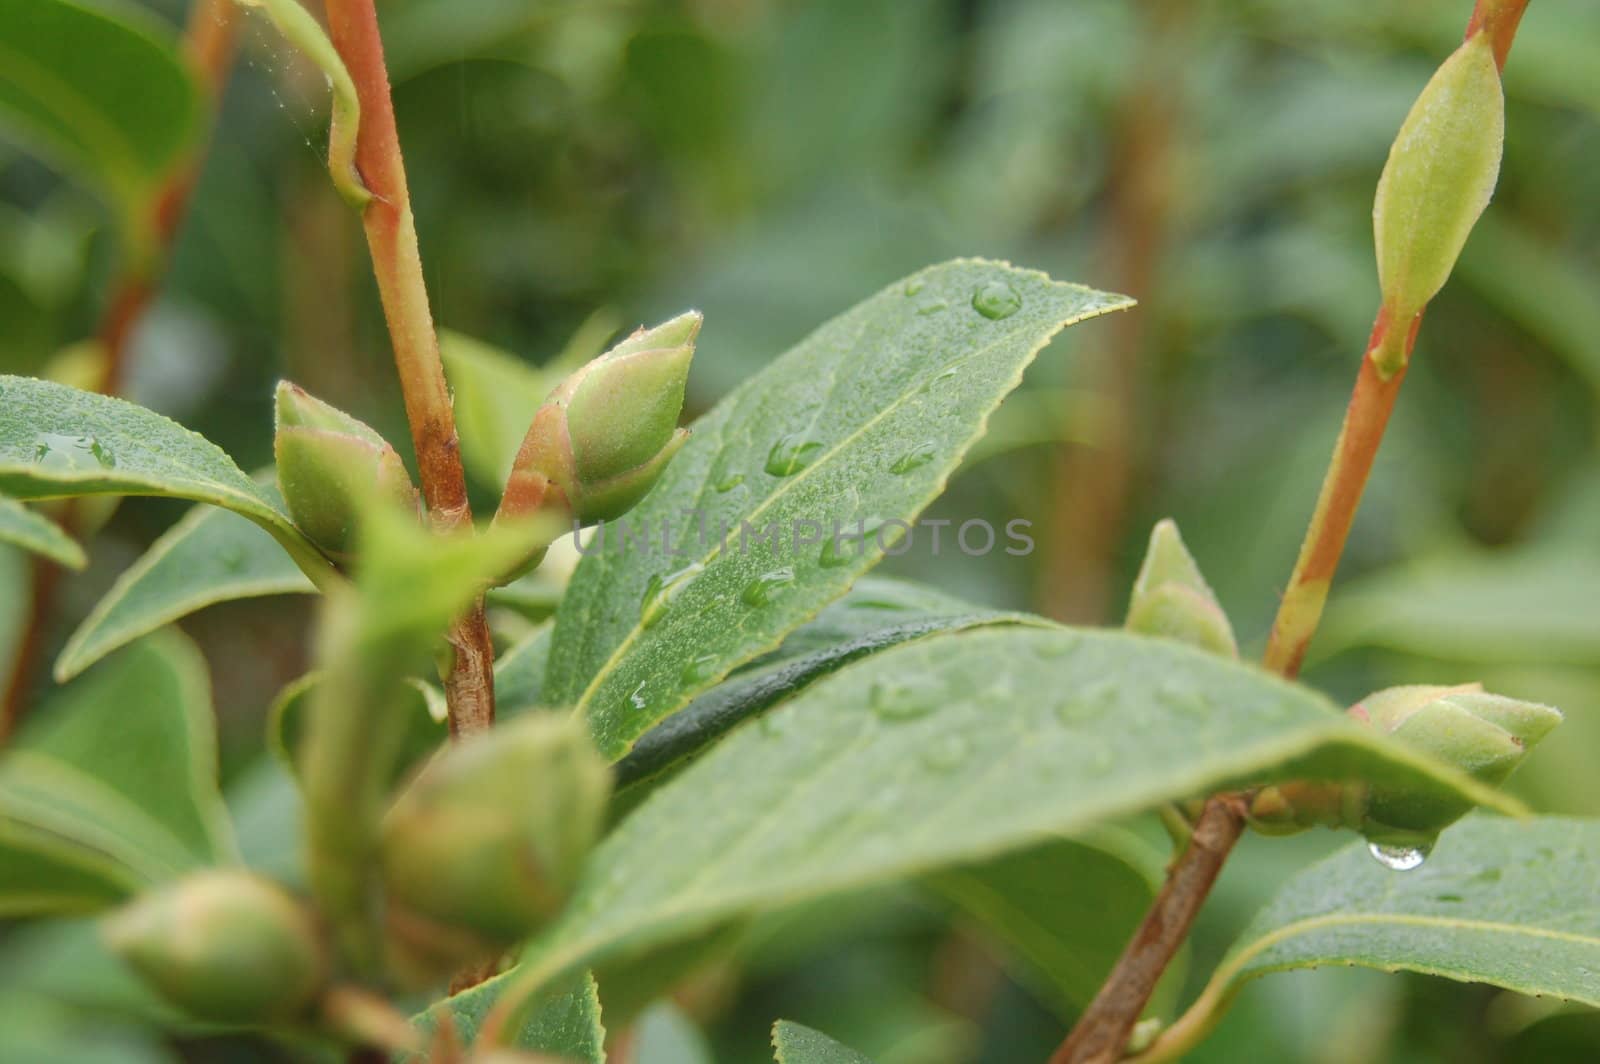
(901, 701)
(764, 588)
(914, 286)
(996, 300)
(637, 698)
(1101, 761)
(852, 542)
(932, 308)
(661, 590)
(724, 478)
(1488, 875)
(728, 483)
(1085, 706)
(772, 724)
(947, 753)
(1398, 858)
(1182, 700)
(918, 456)
(232, 558)
(1448, 897)
(72, 453)
(1056, 647)
(792, 454)
(700, 669)
(945, 374)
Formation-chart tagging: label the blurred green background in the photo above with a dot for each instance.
(578, 168)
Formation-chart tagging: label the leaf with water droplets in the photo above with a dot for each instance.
(34, 532)
(1505, 902)
(795, 1044)
(57, 442)
(565, 1025)
(833, 797)
(865, 419)
(209, 556)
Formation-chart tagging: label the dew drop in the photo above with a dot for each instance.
(1488, 875)
(916, 458)
(996, 300)
(932, 308)
(1182, 700)
(945, 375)
(637, 698)
(947, 754)
(914, 286)
(764, 588)
(1056, 647)
(792, 454)
(661, 590)
(1085, 706)
(700, 669)
(772, 724)
(901, 701)
(1398, 858)
(232, 558)
(850, 544)
(1101, 762)
(728, 483)
(724, 478)
(72, 453)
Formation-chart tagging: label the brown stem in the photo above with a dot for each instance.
(1102, 1031)
(397, 264)
(209, 40)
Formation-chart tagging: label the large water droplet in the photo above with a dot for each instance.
(901, 701)
(700, 669)
(917, 457)
(947, 753)
(72, 453)
(1398, 858)
(661, 590)
(853, 541)
(792, 454)
(996, 300)
(766, 587)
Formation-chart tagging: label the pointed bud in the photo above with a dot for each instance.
(1172, 599)
(1486, 736)
(1440, 174)
(225, 945)
(327, 460)
(488, 840)
(601, 439)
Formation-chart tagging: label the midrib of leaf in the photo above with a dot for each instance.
(822, 462)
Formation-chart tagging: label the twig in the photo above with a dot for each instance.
(397, 264)
(208, 41)
(1102, 1031)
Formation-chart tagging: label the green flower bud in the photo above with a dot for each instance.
(1172, 599)
(327, 460)
(226, 946)
(1484, 735)
(488, 840)
(601, 439)
(1440, 174)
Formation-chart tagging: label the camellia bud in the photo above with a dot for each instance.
(225, 945)
(1484, 735)
(1440, 174)
(326, 461)
(1171, 599)
(485, 844)
(602, 437)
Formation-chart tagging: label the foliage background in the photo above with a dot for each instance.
(773, 161)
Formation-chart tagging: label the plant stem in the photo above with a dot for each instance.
(1102, 1031)
(209, 41)
(397, 264)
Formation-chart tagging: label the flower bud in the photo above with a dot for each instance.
(1484, 735)
(602, 437)
(326, 461)
(487, 841)
(225, 945)
(1441, 172)
(1172, 599)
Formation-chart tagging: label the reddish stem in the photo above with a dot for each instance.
(397, 265)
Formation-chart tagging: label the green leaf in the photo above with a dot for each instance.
(57, 441)
(949, 750)
(565, 1025)
(1066, 907)
(209, 556)
(872, 616)
(112, 785)
(795, 1044)
(37, 533)
(1510, 903)
(863, 421)
(1518, 608)
(495, 397)
(100, 91)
